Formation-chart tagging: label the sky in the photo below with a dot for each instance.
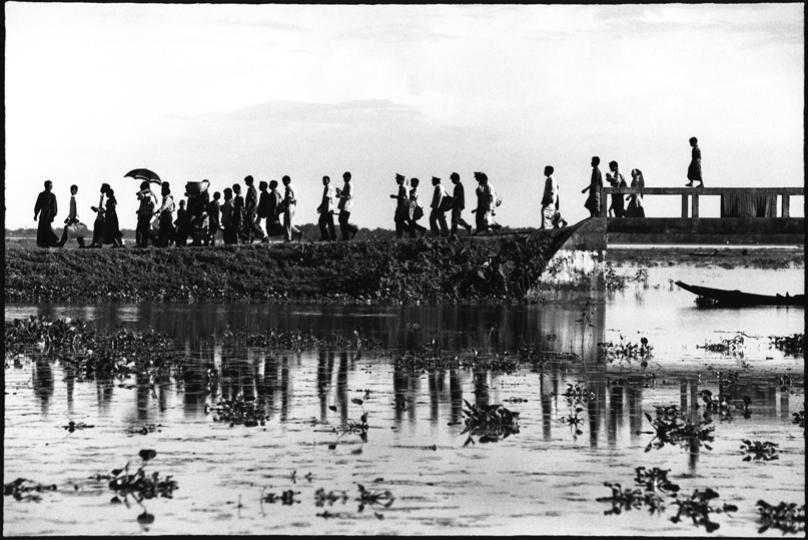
(222, 91)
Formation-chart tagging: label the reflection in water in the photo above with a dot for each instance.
(42, 380)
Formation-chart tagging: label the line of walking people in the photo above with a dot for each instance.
(409, 209)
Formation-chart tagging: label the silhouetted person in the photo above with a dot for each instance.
(401, 216)
(485, 203)
(326, 211)
(165, 229)
(239, 215)
(437, 215)
(416, 210)
(549, 201)
(112, 229)
(229, 232)
(635, 208)
(183, 225)
(616, 180)
(595, 185)
(98, 223)
(289, 206)
(46, 208)
(694, 170)
(262, 211)
(147, 202)
(458, 204)
(346, 196)
(72, 225)
(214, 218)
(273, 223)
(252, 229)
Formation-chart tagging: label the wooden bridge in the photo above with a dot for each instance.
(749, 216)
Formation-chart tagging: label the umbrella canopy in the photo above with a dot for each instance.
(143, 174)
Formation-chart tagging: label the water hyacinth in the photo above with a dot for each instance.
(489, 422)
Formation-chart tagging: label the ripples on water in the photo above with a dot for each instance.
(543, 480)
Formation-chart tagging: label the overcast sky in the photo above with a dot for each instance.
(222, 91)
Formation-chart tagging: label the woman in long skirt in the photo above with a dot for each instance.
(112, 230)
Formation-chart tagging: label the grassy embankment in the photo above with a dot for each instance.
(423, 270)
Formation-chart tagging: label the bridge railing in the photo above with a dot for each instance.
(690, 196)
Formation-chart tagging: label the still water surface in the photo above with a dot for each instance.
(543, 480)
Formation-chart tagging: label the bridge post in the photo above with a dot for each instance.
(604, 206)
(684, 205)
(695, 212)
(786, 210)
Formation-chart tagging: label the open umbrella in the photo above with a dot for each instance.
(143, 174)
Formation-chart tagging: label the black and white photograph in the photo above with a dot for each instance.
(404, 269)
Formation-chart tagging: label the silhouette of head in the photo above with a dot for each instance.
(414, 182)
(248, 180)
(48, 185)
(481, 177)
(286, 180)
(400, 179)
(548, 170)
(435, 180)
(228, 194)
(182, 204)
(217, 196)
(262, 185)
(595, 161)
(105, 188)
(165, 188)
(454, 177)
(236, 189)
(346, 176)
(326, 180)
(74, 188)
(144, 185)
(273, 184)
(613, 165)
(693, 141)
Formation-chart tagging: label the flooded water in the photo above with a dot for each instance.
(545, 479)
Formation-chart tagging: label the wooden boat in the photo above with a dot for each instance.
(737, 298)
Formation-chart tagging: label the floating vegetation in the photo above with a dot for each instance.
(790, 345)
(672, 427)
(321, 498)
(721, 406)
(576, 395)
(286, 497)
(489, 423)
(785, 517)
(353, 427)
(23, 489)
(625, 351)
(618, 282)
(244, 410)
(698, 508)
(144, 429)
(799, 417)
(759, 451)
(73, 426)
(139, 485)
(729, 347)
(375, 499)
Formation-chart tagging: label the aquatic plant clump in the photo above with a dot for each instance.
(244, 410)
(790, 345)
(626, 351)
(139, 485)
(672, 427)
(759, 450)
(489, 422)
(23, 489)
(785, 517)
(698, 508)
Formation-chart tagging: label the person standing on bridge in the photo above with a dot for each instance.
(616, 180)
(345, 195)
(458, 204)
(46, 208)
(402, 213)
(635, 208)
(595, 185)
(694, 170)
